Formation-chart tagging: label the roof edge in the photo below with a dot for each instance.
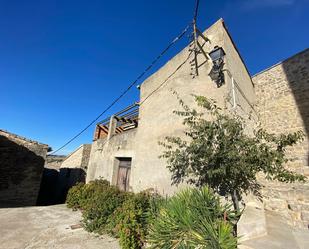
(280, 62)
(23, 138)
(237, 50)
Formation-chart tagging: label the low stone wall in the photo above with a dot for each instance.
(290, 200)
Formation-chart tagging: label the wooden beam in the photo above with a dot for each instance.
(202, 50)
(202, 35)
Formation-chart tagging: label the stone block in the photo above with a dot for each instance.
(276, 204)
(305, 206)
(305, 216)
(252, 223)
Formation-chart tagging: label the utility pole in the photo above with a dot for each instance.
(197, 47)
(195, 37)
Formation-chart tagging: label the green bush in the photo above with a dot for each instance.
(191, 219)
(130, 221)
(81, 194)
(102, 204)
(74, 196)
(194, 218)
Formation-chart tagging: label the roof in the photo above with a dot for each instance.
(73, 152)
(22, 138)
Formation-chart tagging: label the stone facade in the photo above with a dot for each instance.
(73, 169)
(104, 154)
(156, 118)
(21, 166)
(282, 93)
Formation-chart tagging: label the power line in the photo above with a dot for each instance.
(156, 89)
(166, 80)
(126, 90)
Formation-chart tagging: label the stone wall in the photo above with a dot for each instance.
(49, 183)
(156, 117)
(282, 93)
(21, 166)
(54, 162)
(104, 154)
(73, 170)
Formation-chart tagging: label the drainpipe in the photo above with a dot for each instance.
(233, 93)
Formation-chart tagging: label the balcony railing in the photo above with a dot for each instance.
(120, 122)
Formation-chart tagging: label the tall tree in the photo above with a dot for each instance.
(219, 153)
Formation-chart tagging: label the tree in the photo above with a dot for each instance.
(219, 153)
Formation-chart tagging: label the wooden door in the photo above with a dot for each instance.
(124, 171)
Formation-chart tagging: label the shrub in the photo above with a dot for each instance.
(74, 196)
(194, 218)
(101, 205)
(81, 194)
(130, 221)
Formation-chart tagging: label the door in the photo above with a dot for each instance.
(123, 176)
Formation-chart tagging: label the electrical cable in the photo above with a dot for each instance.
(126, 90)
(156, 89)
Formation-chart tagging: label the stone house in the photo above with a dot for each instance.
(21, 167)
(72, 170)
(125, 149)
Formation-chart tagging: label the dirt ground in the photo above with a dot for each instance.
(47, 227)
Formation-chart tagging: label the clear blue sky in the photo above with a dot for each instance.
(62, 62)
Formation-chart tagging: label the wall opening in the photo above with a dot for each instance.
(123, 174)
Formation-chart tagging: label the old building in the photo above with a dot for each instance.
(21, 167)
(282, 93)
(72, 170)
(126, 152)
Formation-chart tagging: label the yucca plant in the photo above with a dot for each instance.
(194, 218)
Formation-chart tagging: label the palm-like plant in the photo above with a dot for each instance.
(194, 218)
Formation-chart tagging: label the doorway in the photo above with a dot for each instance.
(124, 170)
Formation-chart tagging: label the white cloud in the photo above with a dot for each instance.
(254, 4)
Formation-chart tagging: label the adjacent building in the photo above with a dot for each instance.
(21, 167)
(282, 93)
(72, 170)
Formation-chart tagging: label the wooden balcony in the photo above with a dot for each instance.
(120, 122)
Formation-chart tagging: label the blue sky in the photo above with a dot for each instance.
(62, 62)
